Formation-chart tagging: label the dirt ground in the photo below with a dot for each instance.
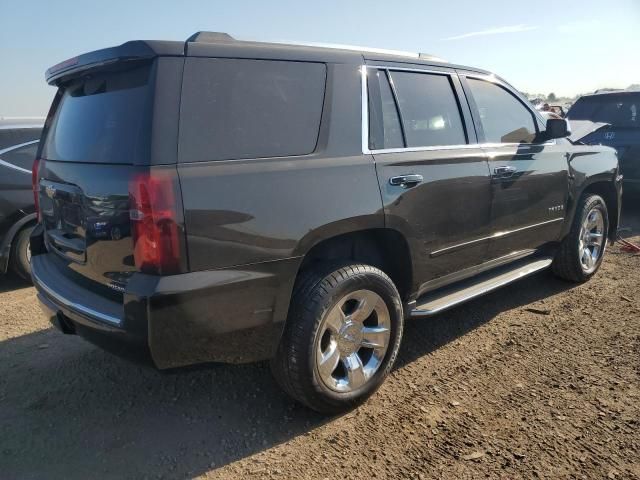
(487, 390)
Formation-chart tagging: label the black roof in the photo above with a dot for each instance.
(215, 44)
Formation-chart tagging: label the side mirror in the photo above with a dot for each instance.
(557, 128)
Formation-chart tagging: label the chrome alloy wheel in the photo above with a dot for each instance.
(352, 340)
(591, 244)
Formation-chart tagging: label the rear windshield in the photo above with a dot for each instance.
(234, 109)
(618, 110)
(103, 118)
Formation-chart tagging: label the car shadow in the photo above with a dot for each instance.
(69, 410)
(10, 281)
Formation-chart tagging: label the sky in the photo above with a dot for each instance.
(561, 46)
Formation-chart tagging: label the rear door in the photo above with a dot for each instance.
(433, 178)
(529, 175)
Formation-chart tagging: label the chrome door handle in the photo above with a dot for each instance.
(406, 181)
(504, 171)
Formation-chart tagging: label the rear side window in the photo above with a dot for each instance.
(12, 137)
(103, 118)
(503, 117)
(22, 157)
(233, 109)
(429, 109)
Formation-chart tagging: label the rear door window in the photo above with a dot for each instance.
(429, 109)
(503, 118)
(385, 130)
(234, 108)
(103, 118)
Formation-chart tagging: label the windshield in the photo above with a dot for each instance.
(619, 110)
(102, 118)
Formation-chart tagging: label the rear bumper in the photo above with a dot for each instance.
(232, 316)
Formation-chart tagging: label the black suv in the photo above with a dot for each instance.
(621, 110)
(297, 204)
(18, 146)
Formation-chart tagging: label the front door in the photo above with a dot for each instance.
(434, 181)
(528, 174)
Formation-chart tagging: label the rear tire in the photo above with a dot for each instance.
(341, 337)
(20, 254)
(582, 250)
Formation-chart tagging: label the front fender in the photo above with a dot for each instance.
(594, 169)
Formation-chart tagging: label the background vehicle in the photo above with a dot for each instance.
(621, 110)
(558, 110)
(297, 204)
(18, 145)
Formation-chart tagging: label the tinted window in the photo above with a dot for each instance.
(22, 157)
(504, 119)
(618, 110)
(429, 109)
(104, 118)
(384, 122)
(249, 108)
(17, 136)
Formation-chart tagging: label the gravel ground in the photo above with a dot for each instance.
(488, 390)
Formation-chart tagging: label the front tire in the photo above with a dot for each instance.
(581, 252)
(341, 338)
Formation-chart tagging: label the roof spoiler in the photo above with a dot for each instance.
(129, 51)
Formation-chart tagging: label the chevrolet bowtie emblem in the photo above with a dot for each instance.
(51, 191)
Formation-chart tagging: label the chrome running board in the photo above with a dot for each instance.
(444, 298)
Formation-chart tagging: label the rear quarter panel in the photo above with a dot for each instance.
(256, 210)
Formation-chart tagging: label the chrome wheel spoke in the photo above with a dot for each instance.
(591, 240)
(595, 238)
(328, 361)
(359, 320)
(375, 337)
(355, 370)
(335, 319)
(367, 302)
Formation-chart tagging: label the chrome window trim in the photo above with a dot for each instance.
(365, 113)
(10, 149)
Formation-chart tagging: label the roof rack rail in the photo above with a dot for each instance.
(210, 37)
(357, 48)
(218, 37)
(428, 56)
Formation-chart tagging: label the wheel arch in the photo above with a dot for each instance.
(7, 241)
(384, 248)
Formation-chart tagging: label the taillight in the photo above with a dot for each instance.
(34, 186)
(154, 213)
